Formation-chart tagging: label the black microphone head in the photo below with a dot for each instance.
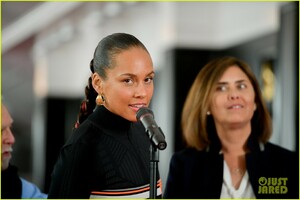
(142, 111)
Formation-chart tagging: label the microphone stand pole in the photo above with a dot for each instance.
(154, 159)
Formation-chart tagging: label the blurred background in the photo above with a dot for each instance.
(47, 47)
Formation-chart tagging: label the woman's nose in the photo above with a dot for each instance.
(234, 95)
(141, 91)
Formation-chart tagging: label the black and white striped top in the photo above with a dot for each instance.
(107, 156)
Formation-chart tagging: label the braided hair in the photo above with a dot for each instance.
(104, 56)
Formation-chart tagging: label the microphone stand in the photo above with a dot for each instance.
(157, 142)
(154, 159)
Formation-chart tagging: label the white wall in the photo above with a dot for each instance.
(159, 25)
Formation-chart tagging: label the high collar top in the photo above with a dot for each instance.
(104, 118)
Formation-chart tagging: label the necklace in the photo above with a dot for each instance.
(237, 172)
(236, 177)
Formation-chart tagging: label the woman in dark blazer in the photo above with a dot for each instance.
(226, 126)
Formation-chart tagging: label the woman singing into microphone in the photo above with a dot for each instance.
(108, 153)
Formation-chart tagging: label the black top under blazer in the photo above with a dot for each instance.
(197, 174)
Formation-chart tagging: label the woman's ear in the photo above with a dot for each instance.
(97, 82)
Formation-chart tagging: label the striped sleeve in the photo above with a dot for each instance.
(136, 192)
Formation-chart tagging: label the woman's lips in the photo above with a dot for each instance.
(235, 106)
(136, 107)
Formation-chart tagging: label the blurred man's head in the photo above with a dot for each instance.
(8, 138)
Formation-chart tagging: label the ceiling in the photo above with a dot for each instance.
(12, 11)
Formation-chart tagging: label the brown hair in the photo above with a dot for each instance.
(195, 124)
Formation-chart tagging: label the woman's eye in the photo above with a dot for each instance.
(221, 88)
(242, 86)
(148, 80)
(128, 81)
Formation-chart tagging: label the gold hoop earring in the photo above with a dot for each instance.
(100, 99)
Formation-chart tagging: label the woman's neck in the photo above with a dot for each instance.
(234, 139)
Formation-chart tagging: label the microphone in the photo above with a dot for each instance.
(146, 117)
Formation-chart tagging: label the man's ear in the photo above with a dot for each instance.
(97, 82)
